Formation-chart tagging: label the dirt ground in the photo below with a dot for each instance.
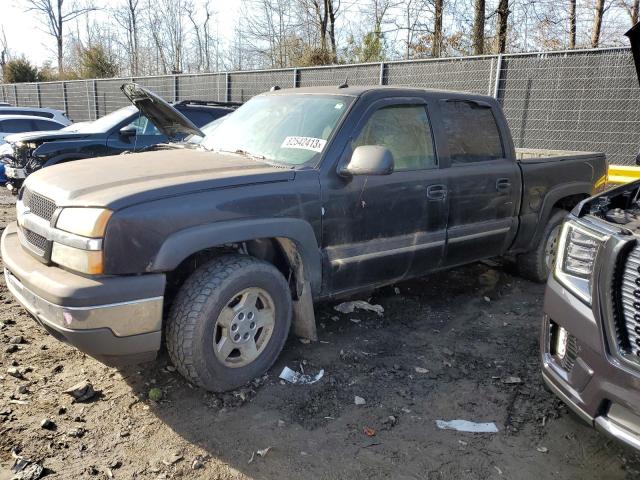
(471, 329)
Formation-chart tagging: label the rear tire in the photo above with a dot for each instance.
(229, 322)
(536, 264)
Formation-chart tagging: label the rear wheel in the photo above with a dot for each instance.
(538, 263)
(229, 322)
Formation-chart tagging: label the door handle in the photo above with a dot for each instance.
(436, 192)
(503, 185)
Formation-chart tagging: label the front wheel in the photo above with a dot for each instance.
(229, 322)
(538, 263)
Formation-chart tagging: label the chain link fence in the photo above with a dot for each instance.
(573, 100)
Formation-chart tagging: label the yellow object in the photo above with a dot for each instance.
(620, 174)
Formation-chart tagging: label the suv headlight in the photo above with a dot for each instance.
(84, 222)
(6, 149)
(577, 252)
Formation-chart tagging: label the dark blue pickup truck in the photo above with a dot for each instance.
(298, 196)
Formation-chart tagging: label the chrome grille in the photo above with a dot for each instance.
(38, 205)
(37, 242)
(628, 324)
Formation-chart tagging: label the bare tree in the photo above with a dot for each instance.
(325, 13)
(631, 6)
(436, 47)
(572, 24)
(503, 15)
(54, 16)
(4, 51)
(599, 9)
(127, 17)
(478, 27)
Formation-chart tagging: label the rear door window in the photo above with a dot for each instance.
(472, 132)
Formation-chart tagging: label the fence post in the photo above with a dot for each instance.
(39, 95)
(65, 100)
(15, 94)
(296, 78)
(96, 114)
(227, 87)
(382, 78)
(176, 91)
(496, 87)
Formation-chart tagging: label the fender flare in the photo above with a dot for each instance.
(551, 198)
(181, 244)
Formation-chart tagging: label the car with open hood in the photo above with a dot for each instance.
(148, 121)
(590, 340)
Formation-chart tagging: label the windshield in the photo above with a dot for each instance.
(106, 123)
(289, 129)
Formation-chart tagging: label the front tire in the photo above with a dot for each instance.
(229, 322)
(537, 264)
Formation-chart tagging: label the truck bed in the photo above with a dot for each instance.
(534, 155)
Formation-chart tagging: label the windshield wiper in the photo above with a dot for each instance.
(253, 156)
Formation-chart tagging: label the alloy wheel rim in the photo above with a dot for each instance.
(243, 327)
(551, 248)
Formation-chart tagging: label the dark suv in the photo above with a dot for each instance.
(149, 121)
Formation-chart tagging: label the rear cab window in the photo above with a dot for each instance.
(472, 132)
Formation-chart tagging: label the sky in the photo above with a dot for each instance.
(26, 36)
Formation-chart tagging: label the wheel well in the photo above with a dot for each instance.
(567, 203)
(280, 252)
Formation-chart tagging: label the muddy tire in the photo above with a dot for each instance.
(536, 264)
(229, 322)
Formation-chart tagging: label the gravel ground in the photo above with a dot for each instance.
(445, 348)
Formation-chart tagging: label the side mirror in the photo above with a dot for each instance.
(369, 160)
(128, 131)
(638, 159)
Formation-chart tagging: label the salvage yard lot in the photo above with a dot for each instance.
(471, 328)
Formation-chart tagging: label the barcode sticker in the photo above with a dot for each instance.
(305, 143)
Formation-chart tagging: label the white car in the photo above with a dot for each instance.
(10, 124)
(47, 113)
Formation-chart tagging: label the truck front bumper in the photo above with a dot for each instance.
(591, 382)
(117, 320)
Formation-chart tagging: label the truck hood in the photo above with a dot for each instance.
(43, 136)
(123, 180)
(634, 38)
(166, 118)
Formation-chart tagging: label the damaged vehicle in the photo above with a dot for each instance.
(149, 121)
(590, 342)
(300, 195)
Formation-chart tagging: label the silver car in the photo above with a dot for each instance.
(47, 113)
(11, 124)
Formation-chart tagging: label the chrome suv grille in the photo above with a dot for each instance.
(627, 317)
(39, 205)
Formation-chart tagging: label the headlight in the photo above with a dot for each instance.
(84, 261)
(88, 222)
(575, 263)
(6, 149)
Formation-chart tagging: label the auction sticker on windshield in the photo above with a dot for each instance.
(305, 143)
